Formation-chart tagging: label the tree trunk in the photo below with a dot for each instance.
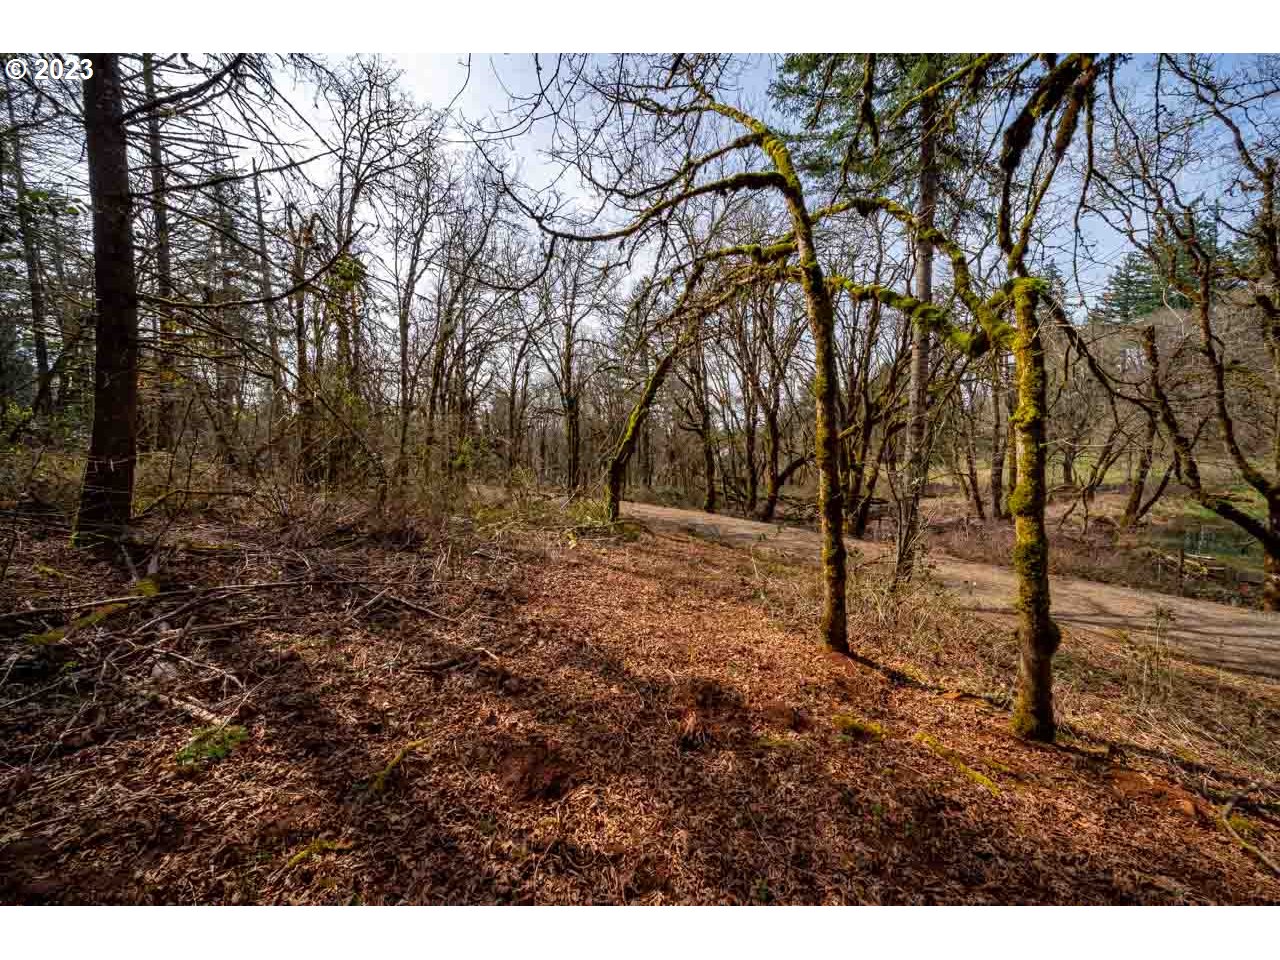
(826, 392)
(631, 433)
(1011, 446)
(997, 437)
(573, 442)
(71, 327)
(853, 492)
(31, 255)
(705, 436)
(106, 499)
(863, 515)
(1038, 635)
(166, 374)
(971, 464)
(302, 381)
(230, 386)
(773, 480)
(708, 462)
(406, 400)
(1271, 562)
(1138, 484)
(646, 456)
(434, 391)
(515, 410)
(265, 291)
(542, 453)
(918, 396)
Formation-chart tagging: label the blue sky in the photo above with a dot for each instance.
(484, 96)
(438, 78)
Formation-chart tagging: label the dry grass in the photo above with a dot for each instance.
(1145, 558)
(1131, 693)
(520, 704)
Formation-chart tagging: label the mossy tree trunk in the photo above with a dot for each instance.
(821, 312)
(1038, 635)
(827, 453)
(632, 432)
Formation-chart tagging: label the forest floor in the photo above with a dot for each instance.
(1212, 633)
(513, 705)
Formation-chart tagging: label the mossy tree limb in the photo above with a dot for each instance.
(631, 432)
(692, 314)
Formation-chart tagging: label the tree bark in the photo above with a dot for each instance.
(573, 442)
(826, 391)
(997, 437)
(1011, 445)
(106, 499)
(301, 238)
(265, 291)
(772, 477)
(918, 397)
(749, 454)
(971, 464)
(1271, 561)
(1138, 484)
(166, 374)
(708, 462)
(31, 257)
(406, 398)
(631, 433)
(1038, 635)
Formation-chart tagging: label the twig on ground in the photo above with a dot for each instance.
(408, 604)
(138, 598)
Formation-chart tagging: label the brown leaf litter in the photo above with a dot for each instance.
(620, 722)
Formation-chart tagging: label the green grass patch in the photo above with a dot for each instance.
(855, 728)
(211, 744)
(317, 847)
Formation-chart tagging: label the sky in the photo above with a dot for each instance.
(483, 93)
(480, 86)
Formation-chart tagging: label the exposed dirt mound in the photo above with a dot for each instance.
(536, 772)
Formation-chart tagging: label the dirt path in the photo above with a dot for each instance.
(1213, 633)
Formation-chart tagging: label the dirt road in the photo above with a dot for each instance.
(1212, 633)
